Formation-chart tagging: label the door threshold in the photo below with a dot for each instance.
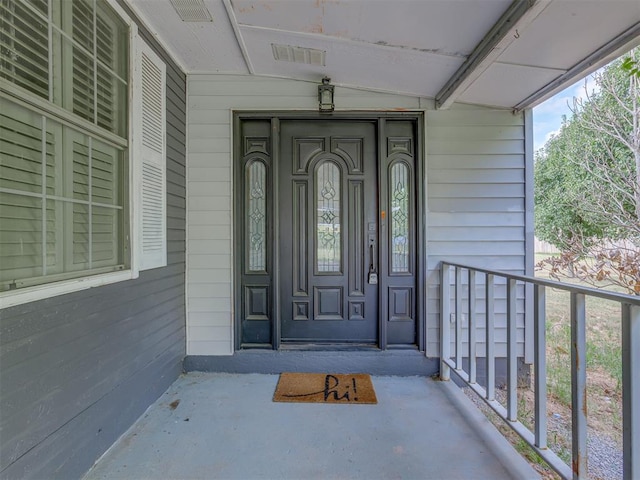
(331, 347)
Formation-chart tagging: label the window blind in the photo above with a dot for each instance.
(63, 190)
(91, 57)
(24, 44)
(25, 175)
(61, 200)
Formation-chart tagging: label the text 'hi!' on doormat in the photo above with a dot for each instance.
(325, 388)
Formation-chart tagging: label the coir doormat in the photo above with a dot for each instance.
(325, 388)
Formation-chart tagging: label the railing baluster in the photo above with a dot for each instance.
(472, 326)
(631, 391)
(512, 352)
(458, 318)
(578, 386)
(445, 324)
(491, 363)
(538, 439)
(540, 365)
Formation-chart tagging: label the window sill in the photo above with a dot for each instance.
(41, 292)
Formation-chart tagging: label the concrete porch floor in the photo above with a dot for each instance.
(227, 427)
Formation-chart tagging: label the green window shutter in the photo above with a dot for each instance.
(52, 226)
(24, 46)
(79, 213)
(21, 208)
(96, 226)
(20, 238)
(107, 216)
(21, 147)
(83, 62)
(112, 46)
(152, 145)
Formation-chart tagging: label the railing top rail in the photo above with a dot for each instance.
(594, 292)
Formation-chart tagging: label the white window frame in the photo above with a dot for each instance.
(47, 290)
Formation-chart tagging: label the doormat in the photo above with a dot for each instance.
(325, 388)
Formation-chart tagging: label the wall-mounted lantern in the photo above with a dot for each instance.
(325, 96)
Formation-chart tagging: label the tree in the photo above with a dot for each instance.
(587, 182)
(632, 66)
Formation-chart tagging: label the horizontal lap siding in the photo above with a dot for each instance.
(475, 173)
(475, 205)
(211, 98)
(77, 370)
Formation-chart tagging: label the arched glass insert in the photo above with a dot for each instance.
(399, 218)
(328, 218)
(256, 188)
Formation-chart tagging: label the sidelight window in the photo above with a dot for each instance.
(257, 216)
(399, 218)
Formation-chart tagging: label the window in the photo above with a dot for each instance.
(75, 54)
(61, 200)
(256, 213)
(400, 217)
(24, 45)
(68, 161)
(328, 218)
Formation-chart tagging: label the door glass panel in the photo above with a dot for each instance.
(257, 217)
(399, 218)
(328, 218)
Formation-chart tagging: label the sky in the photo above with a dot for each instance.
(547, 117)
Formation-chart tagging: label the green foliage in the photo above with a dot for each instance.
(558, 189)
(586, 184)
(631, 66)
(606, 355)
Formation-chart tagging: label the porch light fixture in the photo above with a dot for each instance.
(325, 96)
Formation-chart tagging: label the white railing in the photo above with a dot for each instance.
(630, 325)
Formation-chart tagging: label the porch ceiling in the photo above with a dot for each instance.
(426, 48)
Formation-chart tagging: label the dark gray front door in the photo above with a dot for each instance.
(321, 204)
(328, 231)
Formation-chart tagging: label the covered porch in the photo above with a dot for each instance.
(226, 426)
(89, 343)
(423, 426)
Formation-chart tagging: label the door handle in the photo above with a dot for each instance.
(373, 274)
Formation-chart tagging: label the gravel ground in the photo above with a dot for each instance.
(605, 458)
(604, 455)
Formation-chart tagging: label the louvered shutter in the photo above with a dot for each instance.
(83, 64)
(24, 43)
(152, 172)
(21, 215)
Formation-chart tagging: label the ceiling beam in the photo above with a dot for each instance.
(612, 49)
(505, 31)
(236, 30)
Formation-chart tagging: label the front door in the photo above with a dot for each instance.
(327, 236)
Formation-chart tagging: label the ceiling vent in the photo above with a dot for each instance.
(192, 10)
(288, 53)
